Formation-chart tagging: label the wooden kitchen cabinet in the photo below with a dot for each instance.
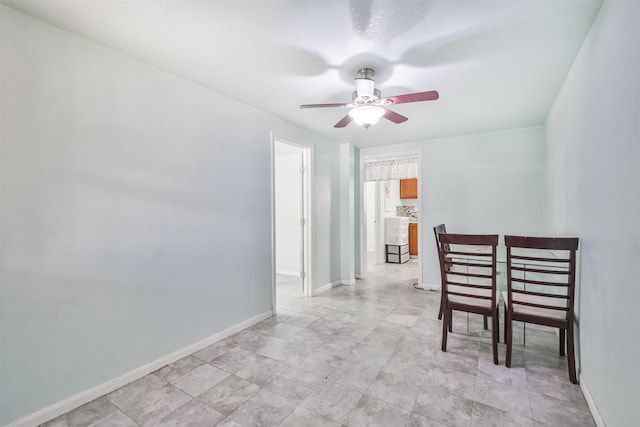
(409, 188)
(413, 238)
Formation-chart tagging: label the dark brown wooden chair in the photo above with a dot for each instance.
(468, 271)
(541, 278)
(441, 228)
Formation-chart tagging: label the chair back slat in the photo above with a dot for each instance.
(486, 240)
(538, 282)
(461, 294)
(475, 275)
(466, 285)
(552, 243)
(544, 306)
(541, 270)
(541, 259)
(540, 294)
(452, 262)
(479, 255)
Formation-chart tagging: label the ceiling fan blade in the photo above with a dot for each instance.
(343, 122)
(341, 104)
(415, 97)
(394, 117)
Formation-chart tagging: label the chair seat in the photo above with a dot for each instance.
(536, 311)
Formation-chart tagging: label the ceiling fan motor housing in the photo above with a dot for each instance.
(364, 97)
(365, 86)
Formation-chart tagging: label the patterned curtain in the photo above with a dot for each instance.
(383, 170)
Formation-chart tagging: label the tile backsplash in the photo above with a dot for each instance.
(408, 211)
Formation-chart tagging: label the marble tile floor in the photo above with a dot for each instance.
(288, 290)
(362, 355)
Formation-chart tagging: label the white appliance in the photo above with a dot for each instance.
(396, 239)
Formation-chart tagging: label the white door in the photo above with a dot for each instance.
(291, 183)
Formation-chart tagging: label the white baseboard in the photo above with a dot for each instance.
(349, 282)
(326, 287)
(591, 403)
(430, 287)
(77, 400)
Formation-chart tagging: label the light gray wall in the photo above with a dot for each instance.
(326, 263)
(593, 134)
(347, 221)
(492, 182)
(135, 213)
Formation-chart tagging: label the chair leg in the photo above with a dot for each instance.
(494, 337)
(445, 328)
(497, 324)
(486, 323)
(505, 325)
(441, 312)
(571, 355)
(508, 337)
(562, 342)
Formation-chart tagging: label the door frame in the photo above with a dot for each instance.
(308, 231)
(377, 230)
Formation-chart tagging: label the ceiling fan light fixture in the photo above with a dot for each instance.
(366, 115)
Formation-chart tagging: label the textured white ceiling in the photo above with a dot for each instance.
(496, 63)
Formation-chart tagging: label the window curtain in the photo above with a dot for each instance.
(384, 170)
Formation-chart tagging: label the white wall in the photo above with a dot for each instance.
(593, 134)
(135, 213)
(288, 208)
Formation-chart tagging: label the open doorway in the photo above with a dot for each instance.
(290, 222)
(391, 215)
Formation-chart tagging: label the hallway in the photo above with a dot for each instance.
(362, 355)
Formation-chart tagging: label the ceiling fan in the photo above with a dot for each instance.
(367, 107)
